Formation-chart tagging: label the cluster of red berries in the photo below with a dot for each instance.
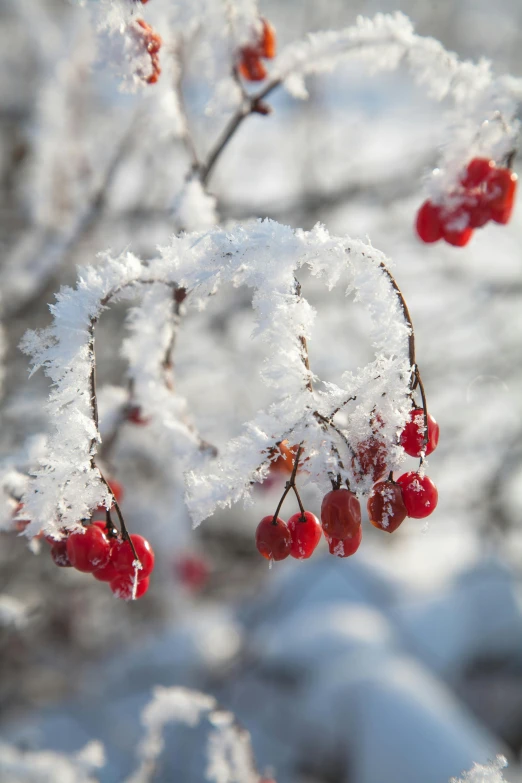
(250, 64)
(151, 41)
(413, 495)
(109, 558)
(102, 552)
(485, 192)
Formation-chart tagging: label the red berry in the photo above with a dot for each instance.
(340, 513)
(88, 551)
(267, 44)
(250, 66)
(455, 227)
(59, 554)
(386, 509)
(412, 436)
(370, 459)
(501, 188)
(344, 547)
(428, 225)
(107, 572)
(306, 533)
(479, 214)
(123, 585)
(122, 556)
(192, 571)
(135, 417)
(419, 494)
(477, 172)
(273, 540)
(285, 461)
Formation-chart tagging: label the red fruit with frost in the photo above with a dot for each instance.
(59, 554)
(122, 587)
(122, 556)
(273, 538)
(306, 533)
(413, 435)
(477, 172)
(340, 513)
(419, 494)
(386, 507)
(370, 459)
(428, 224)
(88, 551)
(285, 461)
(501, 189)
(455, 226)
(344, 547)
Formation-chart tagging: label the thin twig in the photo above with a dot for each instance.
(247, 107)
(288, 486)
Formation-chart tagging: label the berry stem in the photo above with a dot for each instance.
(246, 108)
(424, 404)
(290, 484)
(111, 529)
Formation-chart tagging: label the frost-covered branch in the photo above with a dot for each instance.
(229, 750)
(265, 257)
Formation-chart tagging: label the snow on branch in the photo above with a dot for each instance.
(484, 773)
(483, 111)
(230, 756)
(263, 256)
(20, 766)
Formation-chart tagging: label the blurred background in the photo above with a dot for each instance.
(402, 664)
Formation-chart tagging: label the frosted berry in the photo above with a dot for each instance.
(455, 227)
(477, 172)
(479, 213)
(267, 44)
(428, 225)
(122, 556)
(88, 551)
(59, 554)
(500, 193)
(273, 540)
(412, 436)
(370, 459)
(344, 547)
(306, 533)
(151, 40)
(107, 572)
(250, 65)
(123, 585)
(386, 508)
(340, 513)
(285, 461)
(419, 494)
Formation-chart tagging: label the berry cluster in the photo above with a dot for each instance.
(485, 192)
(100, 551)
(412, 495)
(151, 41)
(103, 552)
(250, 64)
